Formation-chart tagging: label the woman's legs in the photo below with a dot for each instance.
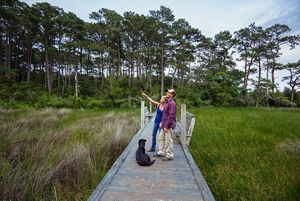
(154, 132)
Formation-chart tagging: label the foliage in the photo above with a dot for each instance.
(281, 101)
(114, 57)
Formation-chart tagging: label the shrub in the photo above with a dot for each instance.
(282, 101)
(94, 103)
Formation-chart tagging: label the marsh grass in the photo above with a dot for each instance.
(248, 154)
(59, 154)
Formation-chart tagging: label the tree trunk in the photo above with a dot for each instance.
(181, 73)
(63, 75)
(119, 72)
(109, 65)
(162, 73)
(267, 99)
(59, 75)
(132, 74)
(247, 74)
(17, 62)
(29, 60)
(45, 76)
(293, 84)
(273, 72)
(245, 93)
(258, 82)
(76, 80)
(293, 93)
(273, 79)
(173, 77)
(8, 56)
(80, 62)
(142, 70)
(48, 69)
(129, 72)
(150, 76)
(139, 74)
(68, 77)
(137, 69)
(102, 70)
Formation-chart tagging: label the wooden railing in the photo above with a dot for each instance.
(187, 121)
(146, 115)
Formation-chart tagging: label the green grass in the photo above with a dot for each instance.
(60, 154)
(248, 154)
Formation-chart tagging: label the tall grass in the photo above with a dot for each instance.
(59, 154)
(249, 154)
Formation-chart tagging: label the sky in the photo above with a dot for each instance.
(209, 16)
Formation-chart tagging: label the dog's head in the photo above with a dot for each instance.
(142, 142)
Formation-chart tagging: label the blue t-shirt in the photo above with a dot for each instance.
(158, 115)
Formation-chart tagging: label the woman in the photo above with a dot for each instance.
(158, 117)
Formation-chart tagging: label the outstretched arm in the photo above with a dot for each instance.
(152, 101)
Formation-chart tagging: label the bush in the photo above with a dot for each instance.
(282, 101)
(94, 103)
(78, 102)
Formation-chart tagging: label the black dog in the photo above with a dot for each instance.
(142, 158)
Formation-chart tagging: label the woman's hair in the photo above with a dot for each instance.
(164, 97)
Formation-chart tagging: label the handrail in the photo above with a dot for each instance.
(146, 115)
(187, 125)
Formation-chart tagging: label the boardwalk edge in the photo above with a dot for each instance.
(205, 191)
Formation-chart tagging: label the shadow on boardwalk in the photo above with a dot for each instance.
(179, 179)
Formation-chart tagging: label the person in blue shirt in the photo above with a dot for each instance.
(158, 118)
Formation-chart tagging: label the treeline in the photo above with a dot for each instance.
(50, 57)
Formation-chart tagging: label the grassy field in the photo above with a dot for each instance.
(59, 154)
(249, 154)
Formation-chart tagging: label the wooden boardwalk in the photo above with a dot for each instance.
(179, 179)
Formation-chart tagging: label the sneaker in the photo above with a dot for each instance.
(167, 159)
(151, 150)
(157, 155)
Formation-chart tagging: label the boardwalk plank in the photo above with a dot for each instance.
(165, 180)
(142, 196)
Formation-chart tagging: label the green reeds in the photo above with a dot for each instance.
(248, 154)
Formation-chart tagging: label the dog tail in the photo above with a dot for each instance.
(152, 162)
(148, 163)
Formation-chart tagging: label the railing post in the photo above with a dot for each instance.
(183, 124)
(142, 113)
(150, 107)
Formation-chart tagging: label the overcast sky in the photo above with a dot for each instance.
(209, 16)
